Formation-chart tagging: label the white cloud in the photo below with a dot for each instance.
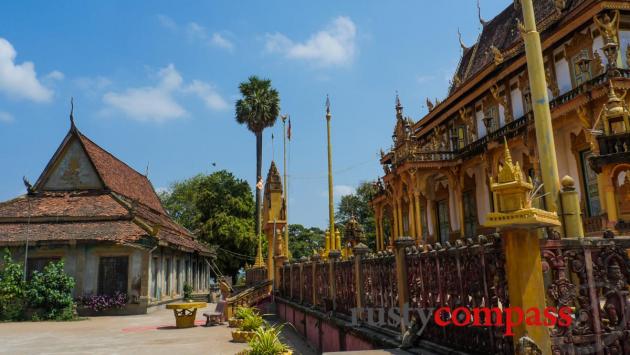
(55, 75)
(333, 46)
(208, 94)
(343, 190)
(219, 41)
(167, 22)
(92, 83)
(158, 103)
(6, 117)
(20, 80)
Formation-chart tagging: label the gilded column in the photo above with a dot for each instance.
(401, 225)
(416, 198)
(395, 219)
(412, 217)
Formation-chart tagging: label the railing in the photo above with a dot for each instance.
(411, 152)
(345, 295)
(248, 297)
(590, 275)
(322, 298)
(255, 275)
(614, 143)
(380, 289)
(471, 275)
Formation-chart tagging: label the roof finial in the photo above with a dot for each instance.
(71, 111)
(508, 155)
(461, 43)
(481, 21)
(327, 107)
(399, 107)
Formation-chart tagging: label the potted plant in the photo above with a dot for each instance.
(248, 328)
(266, 341)
(240, 314)
(188, 292)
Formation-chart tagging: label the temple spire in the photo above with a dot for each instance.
(72, 112)
(399, 107)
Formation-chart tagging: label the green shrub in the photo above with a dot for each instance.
(12, 287)
(244, 312)
(51, 291)
(187, 291)
(267, 342)
(251, 323)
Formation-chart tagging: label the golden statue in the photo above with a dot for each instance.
(608, 27)
(498, 56)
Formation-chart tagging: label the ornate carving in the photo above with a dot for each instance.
(560, 5)
(552, 84)
(608, 27)
(497, 55)
(465, 113)
(429, 105)
(501, 100)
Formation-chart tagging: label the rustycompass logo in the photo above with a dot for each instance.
(508, 317)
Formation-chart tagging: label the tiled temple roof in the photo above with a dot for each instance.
(126, 210)
(502, 33)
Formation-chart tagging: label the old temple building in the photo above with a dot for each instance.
(106, 222)
(436, 186)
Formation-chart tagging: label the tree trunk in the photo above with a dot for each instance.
(258, 177)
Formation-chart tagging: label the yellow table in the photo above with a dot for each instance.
(185, 313)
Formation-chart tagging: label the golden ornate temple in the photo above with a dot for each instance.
(437, 185)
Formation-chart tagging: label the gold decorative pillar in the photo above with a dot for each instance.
(540, 102)
(331, 204)
(401, 224)
(411, 216)
(416, 199)
(609, 193)
(395, 220)
(517, 221)
(382, 232)
(570, 199)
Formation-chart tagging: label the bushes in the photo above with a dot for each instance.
(12, 289)
(244, 312)
(187, 291)
(267, 342)
(251, 323)
(48, 293)
(51, 291)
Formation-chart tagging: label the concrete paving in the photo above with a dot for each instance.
(153, 333)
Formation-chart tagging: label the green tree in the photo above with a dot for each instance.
(219, 209)
(258, 109)
(51, 291)
(12, 288)
(304, 241)
(357, 205)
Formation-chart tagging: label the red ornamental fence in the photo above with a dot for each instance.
(590, 275)
(255, 275)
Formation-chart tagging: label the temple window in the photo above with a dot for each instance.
(563, 75)
(39, 264)
(622, 187)
(579, 75)
(481, 127)
(113, 272)
(517, 100)
(470, 213)
(624, 38)
(442, 220)
(591, 196)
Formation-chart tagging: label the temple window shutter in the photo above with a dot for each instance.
(113, 275)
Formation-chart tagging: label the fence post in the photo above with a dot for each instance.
(314, 260)
(303, 261)
(333, 256)
(401, 275)
(359, 251)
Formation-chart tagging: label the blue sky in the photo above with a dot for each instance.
(155, 83)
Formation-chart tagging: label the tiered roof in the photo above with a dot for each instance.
(124, 208)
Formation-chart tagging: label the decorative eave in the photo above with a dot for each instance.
(470, 88)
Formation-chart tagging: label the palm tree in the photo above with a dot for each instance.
(258, 109)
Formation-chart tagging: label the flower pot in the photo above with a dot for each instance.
(242, 336)
(235, 322)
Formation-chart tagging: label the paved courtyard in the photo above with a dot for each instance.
(143, 334)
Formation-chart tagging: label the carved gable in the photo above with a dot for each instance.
(72, 170)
